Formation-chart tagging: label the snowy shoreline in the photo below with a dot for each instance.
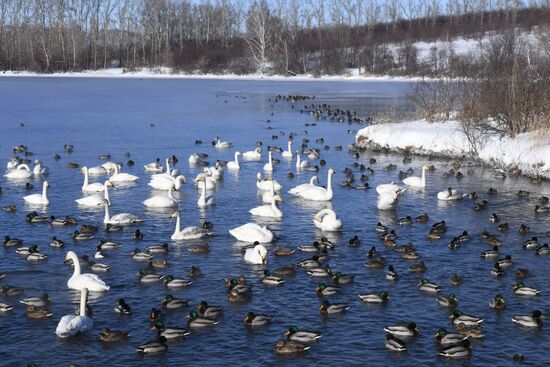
(525, 152)
(168, 73)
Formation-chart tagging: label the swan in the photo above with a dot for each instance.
(234, 165)
(251, 232)
(12, 164)
(449, 194)
(166, 182)
(253, 155)
(91, 188)
(70, 325)
(268, 167)
(170, 173)
(194, 158)
(39, 199)
(79, 281)
(154, 167)
(22, 171)
(96, 200)
(318, 193)
(390, 188)
(207, 176)
(288, 153)
(270, 211)
(295, 190)
(96, 171)
(205, 201)
(162, 201)
(256, 254)
(121, 219)
(299, 163)
(415, 181)
(219, 144)
(326, 221)
(387, 201)
(110, 167)
(267, 184)
(39, 169)
(122, 177)
(216, 171)
(267, 196)
(188, 233)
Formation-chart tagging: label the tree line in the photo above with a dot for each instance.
(283, 36)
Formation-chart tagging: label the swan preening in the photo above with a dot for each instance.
(390, 188)
(21, 171)
(326, 221)
(316, 193)
(79, 281)
(251, 232)
(270, 211)
(39, 199)
(188, 233)
(415, 181)
(256, 254)
(387, 201)
(70, 325)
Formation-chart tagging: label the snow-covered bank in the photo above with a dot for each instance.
(529, 153)
(169, 73)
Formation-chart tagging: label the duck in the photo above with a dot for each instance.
(252, 232)
(121, 219)
(392, 274)
(257, 320)
(426, 286)
(77, 236)
(327, 308)
(9, 242)
(449, 195)
(4, 307)
(154, 167)
(162, 201)
(170, 282)
(521, 289)
(472, 332)
(532, 321)
(138, 235)
(269, 211)
(269, 279)
(457, 351)
(39, 199)
(70, 325)
(256, 254)
(290, 348)
(543, 250)
(403, 330)
(139, 255)
(318, 193)
(327, 221)
(395, 344)
(40, 301)
(121, 177)
(208, 311)
(460, 318)
(79, 281)
(91, 188)
(449, 301)
(375, 298)
(122, 307)
(306, 337)
(445, 339)
(253, 155)
(172, 303)
(113, 336)
(169, 332)
(188, 233)
(533, 243)
(34, 312)
(197, 322)
(158, 248)
(283, 251)
(324, 290)
(419, 267)
(340, 278)
(234, 165)
(419, 182)
(10, 291)
(497, 303)
(153, 347)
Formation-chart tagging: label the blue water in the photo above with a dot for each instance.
(113, 116)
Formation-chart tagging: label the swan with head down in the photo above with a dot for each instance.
(327, 221)
(22, 171)
(251, 232)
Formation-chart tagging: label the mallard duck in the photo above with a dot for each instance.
(522, 273)
(505, 262)
(403, 330)
(533, 321)
(57, 243)
(138, 235)
(169, 332)
(376, 263)
(497, 303)
(194, 271)
(426, 286)
(172, 303)
(395, 344)
(11, 208)
(319, 272)
(33, 217)
(494, 218)
(381, 228)
(58, 222)
(419, 267)
(445, 339)
(422, 218)
(122, 307)
(354, 242)
(112, 228)
(77, 236)
(208, 311)
(159, 248)
(5, 308)
(326, 291)
(392, 274)
(197, 322)
(139, 255)
(473, 332)
(533, 243)
(523, 229)
(283, 251)
(269, 279)
(302, 336)
(109, 245)
(461, 350)
(450, 301)
(34, 312)
(310, 263)
(372, 252)
(404, 221)
(171, 282)
(9, 242)
(543, 250)
(200, 248)
(41, 301)
(381, 297)
(10, 291)
(326, 308)
(289, 348)
(456, 279)
(257, 320)
(497, 270)
(147, 278)
(459, 318)
(286, 271)
(340, 278)
(521, 290)
(153, 347)
(489, 254)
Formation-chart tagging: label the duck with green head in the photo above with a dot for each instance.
(208, 311)
(450, 301)
(257, 320)
(522, 290)
(460, 318)
(302, 336)
(497, 303)
(445, 339)
(169, 332)
(172, 303)
(326, 291)
(403, 330)
(532, 321)
(197, 322)
(340, 278)
(381, 297)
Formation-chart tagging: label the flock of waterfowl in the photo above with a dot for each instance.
(257, 250)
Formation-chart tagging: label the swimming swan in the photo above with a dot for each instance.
(270, 211)
(256, 255)
(326, 221)
(251, 232)
(234, 165)
(268, 167)
(415, 181)
(188, 233)
(165, 182)
(162, 201)
(96, 200)
(122, 177)
(318, 193)
(253, 155)
(39, 199)
(22, 171)
(205, 201)
(267, 183)
(79, 281)
(288, 153)
(295, 190)
(70, 325)
(121, 219)
(91, 188)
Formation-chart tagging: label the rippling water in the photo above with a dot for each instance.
(101, 116)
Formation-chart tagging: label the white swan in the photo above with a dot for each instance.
(267, 196)
(216, 171)
(207, 176)
(318, 193)
(12, 164)
(171, 173)
(154, 167)
(121, 219)
(326, 221)
(91, 188)
(96, 200)
(449, 195)
(219, 144)
(234, 165)
(204, 201)
(270, 211)
(165, 182)
(70, 325)
(110, 167)
(256, 255)
(96, 171)
(295, 190)
(390, 188)
(387, 201)
(253, 155)
(194, 158)
(415, 181)
(300, 163)
(266, 184)
(188, 233)
(79, 281)
(39, 199)
(122, 177)
(288, 153)
(251, 232)
(162, 201)
(268, 167)
(39, 169)
(22, 171)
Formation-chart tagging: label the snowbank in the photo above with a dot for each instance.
(525, 151)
